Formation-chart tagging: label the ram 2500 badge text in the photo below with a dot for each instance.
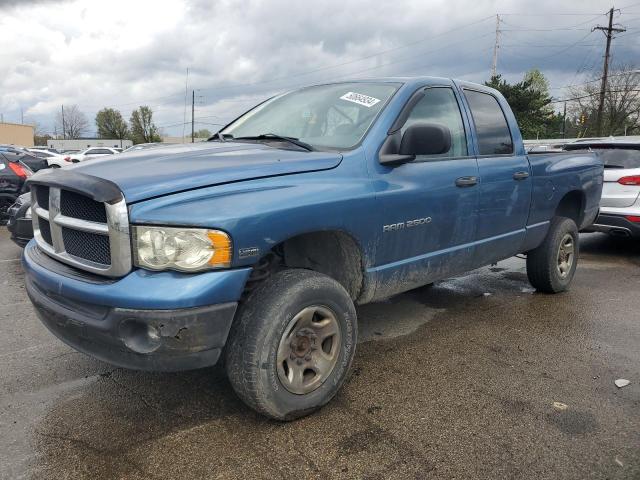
(256, 245)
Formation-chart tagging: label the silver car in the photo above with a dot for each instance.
(620, 204)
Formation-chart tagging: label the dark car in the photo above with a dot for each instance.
(34, 163)
(19, 223)
(13, 174)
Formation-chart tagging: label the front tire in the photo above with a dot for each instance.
(291, 347)
(552, 265)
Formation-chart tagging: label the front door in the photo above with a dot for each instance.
(428, 206)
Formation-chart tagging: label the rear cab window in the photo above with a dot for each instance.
(492, 130)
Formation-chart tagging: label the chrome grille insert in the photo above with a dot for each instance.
(77, 237)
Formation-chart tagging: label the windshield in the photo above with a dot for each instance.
(329, 116)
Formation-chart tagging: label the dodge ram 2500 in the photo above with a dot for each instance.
(256, 245)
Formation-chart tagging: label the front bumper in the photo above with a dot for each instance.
(178, 326)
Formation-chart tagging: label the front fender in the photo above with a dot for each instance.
(260, 214)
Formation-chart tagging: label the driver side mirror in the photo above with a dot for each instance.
(419, 139)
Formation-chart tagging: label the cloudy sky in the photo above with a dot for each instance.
(127, 53)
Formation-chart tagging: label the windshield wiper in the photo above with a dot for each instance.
(273, 136)
(609, 165)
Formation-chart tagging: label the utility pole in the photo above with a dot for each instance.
(193, 111)
(564, 120)
(21, 115)
(608, 31)
(494, 64)
(63, 131)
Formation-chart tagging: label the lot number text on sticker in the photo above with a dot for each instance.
(360, 99)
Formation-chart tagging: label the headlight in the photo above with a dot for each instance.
(183, 249)
(27, 214)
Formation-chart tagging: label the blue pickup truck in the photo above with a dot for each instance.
(255, 245)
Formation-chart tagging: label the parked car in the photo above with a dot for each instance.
(19, 221)
(544, 148)
(259, 242)
(13, 174)
(91, 152)
(54, 160)
(620, 204)
(34, 163)
(145, 146)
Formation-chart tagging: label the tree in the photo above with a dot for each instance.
(202, 133)
(111, 124)
(40, 135)
(621, 112)
(531, 105)
(74, 123)
(537, 80)
(143, 129)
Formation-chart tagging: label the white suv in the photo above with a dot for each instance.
(91, 153)
(620, 203)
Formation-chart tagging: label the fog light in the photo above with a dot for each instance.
(140, 337)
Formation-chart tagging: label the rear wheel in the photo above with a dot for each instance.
(552, 265)
(292, 345)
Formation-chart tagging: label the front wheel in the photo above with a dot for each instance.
(292, 345)
(552, 265)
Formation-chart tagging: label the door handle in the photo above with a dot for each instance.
(520, 175)
(466, 181)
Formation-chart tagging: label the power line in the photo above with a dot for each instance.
(307, 72)
(629, 6)
(546, 14)
(592, 95)
(556, 53)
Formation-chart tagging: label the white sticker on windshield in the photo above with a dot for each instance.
(360, 99)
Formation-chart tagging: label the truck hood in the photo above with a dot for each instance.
(163, 170)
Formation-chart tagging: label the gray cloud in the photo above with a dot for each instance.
(126, 54)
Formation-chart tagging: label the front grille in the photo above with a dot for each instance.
(89, 246)
(81, 232)
(78, 206)
(45, 230)
(42, 196)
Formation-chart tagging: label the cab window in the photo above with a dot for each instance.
(439, 106)
(492, 130)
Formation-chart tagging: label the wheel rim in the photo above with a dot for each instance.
(308, 349)
(566, 255)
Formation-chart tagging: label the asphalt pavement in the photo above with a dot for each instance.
(477, 377)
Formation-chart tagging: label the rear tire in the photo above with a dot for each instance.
(291, 347)
(552, 265)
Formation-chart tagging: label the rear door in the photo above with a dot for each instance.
(505, 182)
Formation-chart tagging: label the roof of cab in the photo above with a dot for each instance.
(416, 82)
